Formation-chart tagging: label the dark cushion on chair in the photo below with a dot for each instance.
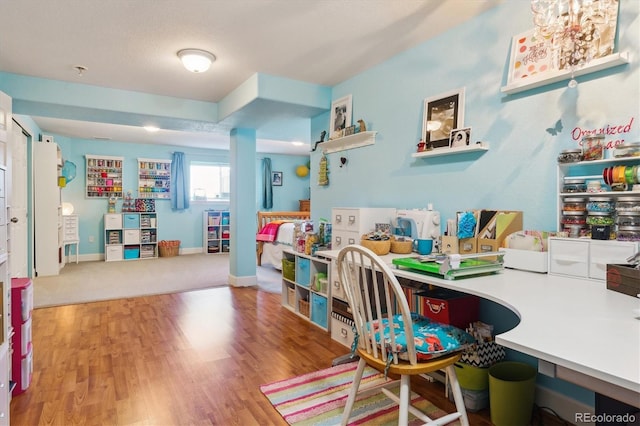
(432, 339)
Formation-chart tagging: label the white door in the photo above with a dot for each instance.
(17, 196)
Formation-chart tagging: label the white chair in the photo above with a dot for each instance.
(371, 287)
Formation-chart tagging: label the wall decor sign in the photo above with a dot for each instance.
(442, 114)
(340, 116)
(529, 56)
(276, 178)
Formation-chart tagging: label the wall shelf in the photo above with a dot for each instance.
(478, 147)
(356, 140)
(549, 77)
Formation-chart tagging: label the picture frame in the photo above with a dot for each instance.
(529, 56)
(442, 113)
(351, 130)
(276, 178)
(460, 137)
(340, 116)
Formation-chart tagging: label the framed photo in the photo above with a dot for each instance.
(276, 178)
(340, 116)
(442, 114)
(460, 137)
(350, 130)
(529, 56)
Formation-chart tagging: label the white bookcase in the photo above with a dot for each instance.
(130, 236)
(216, 236)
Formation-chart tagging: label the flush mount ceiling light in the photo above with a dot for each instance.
(196, 60)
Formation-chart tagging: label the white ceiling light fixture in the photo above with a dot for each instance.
(151, 129)
(196, 60)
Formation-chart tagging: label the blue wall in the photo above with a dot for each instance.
(186, 226)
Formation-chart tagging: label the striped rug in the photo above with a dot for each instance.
(318, 398)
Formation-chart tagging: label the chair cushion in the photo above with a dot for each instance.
(432, 339)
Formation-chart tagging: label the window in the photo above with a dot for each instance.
(209, 181)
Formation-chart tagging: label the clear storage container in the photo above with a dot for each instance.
(600, 218)
(601, 204)
(575, 204)
(570, 156)
(574, 185)
(628, 204)
(593, 147)
(628, 233)
(574, 218)
(627, 150)
(625, 219)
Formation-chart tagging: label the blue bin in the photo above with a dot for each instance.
(131, 221)
(131, 253)
(303, 272)
(319, 310)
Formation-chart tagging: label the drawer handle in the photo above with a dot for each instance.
(343, 332)
(338, 218)
(352, 241)
(336, 284)
(338, 240)
(435, 308)
(352, 219)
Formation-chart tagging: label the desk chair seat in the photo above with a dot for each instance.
(374, 296)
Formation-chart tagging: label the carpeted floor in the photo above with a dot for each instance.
(94, 281)
(318, 398)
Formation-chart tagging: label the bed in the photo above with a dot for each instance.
(271, 252)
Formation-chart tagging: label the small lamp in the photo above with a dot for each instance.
(196, 60)
(67, 209)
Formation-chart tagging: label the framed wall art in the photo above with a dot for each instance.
(340, 116)
(460, 137)
(442, 114)
(276, 178)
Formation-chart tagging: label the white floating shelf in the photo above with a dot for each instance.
(437, 152)
(356, 140)
(550, 77)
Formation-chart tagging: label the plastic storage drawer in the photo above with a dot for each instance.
(131, 221)
(319, 310)
(303, 274)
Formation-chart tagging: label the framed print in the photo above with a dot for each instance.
(442, 114)
(276, 178)
(340, 116)
(529, 56)
(460, 137)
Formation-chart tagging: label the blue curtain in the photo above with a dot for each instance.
(179, 185)
(267, 189)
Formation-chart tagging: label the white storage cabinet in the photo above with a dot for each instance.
(130, 236)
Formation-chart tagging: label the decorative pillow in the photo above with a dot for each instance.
(432, 339)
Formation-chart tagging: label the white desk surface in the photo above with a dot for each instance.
(574, 323)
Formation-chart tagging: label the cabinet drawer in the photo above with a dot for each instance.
(113, 253)
(131, 236)
(569, 258)
(336, 286)
(131, 221)
(113, 221)
(346, 219)
(341, 332)
(603, 252)
(341, 239)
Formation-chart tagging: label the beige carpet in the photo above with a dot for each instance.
(94, 281)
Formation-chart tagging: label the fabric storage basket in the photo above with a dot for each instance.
(303, 307)
(169, 248)
(288, 269)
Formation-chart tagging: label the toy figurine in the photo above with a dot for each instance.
(322, 135)
(363, 126)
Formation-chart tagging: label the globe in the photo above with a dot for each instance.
(69, 171)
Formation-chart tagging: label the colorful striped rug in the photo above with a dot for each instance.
(318, 398)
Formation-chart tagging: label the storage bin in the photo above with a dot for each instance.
(303, 307)
(450, 307)
(291, 296)
(474, 400)
(288, 269)
(303, 273)
(131, 253)
(319, 310)
(130, 221)
(512, 387)
(472, 378)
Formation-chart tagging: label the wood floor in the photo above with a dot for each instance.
(187, 358)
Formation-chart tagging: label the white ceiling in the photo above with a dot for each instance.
(132, 45)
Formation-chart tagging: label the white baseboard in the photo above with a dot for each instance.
(243, 281)
(563, 405)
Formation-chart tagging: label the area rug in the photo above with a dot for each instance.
(318, 398)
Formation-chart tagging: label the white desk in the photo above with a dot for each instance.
(588, 332)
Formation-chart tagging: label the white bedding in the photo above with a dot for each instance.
(272, 252)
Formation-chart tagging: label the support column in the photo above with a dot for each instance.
(242, 206)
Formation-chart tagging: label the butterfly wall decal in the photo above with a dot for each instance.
(553, 131)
